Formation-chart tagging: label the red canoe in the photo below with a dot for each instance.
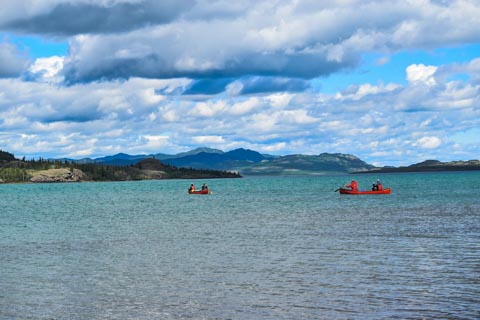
(199, 192)
(348, 191)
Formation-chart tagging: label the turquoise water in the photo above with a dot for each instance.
(257, 248)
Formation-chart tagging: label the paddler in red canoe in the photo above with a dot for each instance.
(353, 185)
(377, 186)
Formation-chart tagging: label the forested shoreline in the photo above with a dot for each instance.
(14, 170)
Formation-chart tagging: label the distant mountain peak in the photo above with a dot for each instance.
(245, 154)
(122, 155)
(197, 151)
(309, 164)
(339, 155)
(427, 163)
(206, 150)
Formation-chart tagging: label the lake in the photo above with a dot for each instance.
(257, 248)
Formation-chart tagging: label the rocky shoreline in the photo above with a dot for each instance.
(58, 175)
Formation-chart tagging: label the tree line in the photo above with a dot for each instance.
(15, 170)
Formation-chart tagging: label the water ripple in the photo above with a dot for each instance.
(147, 250)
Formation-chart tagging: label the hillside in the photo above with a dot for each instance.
(431, 166)
(250, 162)
(231, 160)
(63, 171)
(308, 164)
(159, 170)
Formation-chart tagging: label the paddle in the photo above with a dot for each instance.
(339, 188)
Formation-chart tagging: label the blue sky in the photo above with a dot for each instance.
(36, 46)
(392, 83)
(393, 70)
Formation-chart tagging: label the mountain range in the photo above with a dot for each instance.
(247, 162)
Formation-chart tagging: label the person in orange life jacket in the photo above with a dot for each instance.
(192, 188)
(353, 185)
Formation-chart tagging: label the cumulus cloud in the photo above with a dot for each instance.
(12, 61)
(209, 40)
(208, 140)
(421, 74)
(429, 142)
(470, 69)
(47, 69)
(145, 76)
(139, 116)
(86, 16)
(154, 142)
(245, 106)
(187, 51)
(300, 39)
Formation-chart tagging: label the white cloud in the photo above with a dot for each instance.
(170, 116)
(170, 39)
(299, 116)
(12, 61)
(154, 142)
(280, 100)
(208, 109)
(260, 123)
(149, 96)
(258, 58)
(429, 142)
(206, 140)
(243, 107)
(419, 73)
(280, 146)
(57, 119)
(48, 69)
(280, 38)
(357, 92)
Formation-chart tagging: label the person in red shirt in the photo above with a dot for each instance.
(353, 185)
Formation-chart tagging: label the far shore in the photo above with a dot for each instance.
(421, 169)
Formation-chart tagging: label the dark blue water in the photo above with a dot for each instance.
(257, 248)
